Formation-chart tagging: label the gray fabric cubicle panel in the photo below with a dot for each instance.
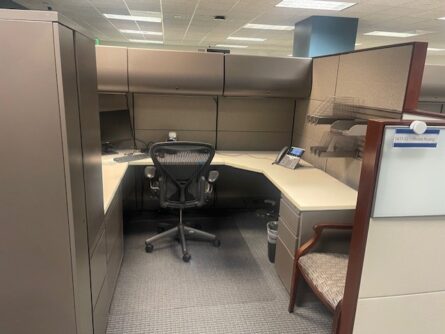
(177, 72)
(191, 117)
(324, 78)
(433, 83)
(267, 76)
(109, 102)
(255, 114)
(111, 63)
(254, 123)
(376, 78)
(186, 135)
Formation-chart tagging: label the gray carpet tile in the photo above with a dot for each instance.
(232, 289)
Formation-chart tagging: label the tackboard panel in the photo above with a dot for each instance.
(255, 141)
(324, 77)
(411, 181)
(376, 78)
(174, 112)
(255, 114)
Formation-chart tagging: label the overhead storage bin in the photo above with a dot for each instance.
(267, 76)
(112, 75)
(178, 72)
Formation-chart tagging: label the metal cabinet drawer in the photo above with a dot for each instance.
(289, 215)
(284, 262)
(286, 235)
(113, 224)
(98, 264)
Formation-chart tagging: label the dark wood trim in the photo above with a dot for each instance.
(368, 49)
(425, 113)
(366, 190)
(415, 75)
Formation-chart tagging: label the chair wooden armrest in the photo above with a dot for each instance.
(318, 229)
(304, 249)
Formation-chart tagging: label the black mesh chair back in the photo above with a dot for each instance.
(182, 168)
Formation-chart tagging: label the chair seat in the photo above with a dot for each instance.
(327, 272)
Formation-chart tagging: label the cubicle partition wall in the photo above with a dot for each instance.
(395, 279)
(373, 83)
(432, 95)
(231, 101)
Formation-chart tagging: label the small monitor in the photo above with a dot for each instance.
(295, 152)
(115, 126)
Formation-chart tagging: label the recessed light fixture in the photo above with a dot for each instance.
(267, 26)
(148, 41)
(435, 49)
(141, 32)
(316, 4)
(441, 18)
(133, 18)
(249, 39)
(391, 34)
(358, 44)
(230, 46)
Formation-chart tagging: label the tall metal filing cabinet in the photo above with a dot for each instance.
(295, 228)
(51, 201)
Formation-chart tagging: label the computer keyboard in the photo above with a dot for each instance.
(131, 157)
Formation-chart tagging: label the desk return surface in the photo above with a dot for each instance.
(307, 188)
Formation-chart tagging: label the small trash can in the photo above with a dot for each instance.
(272, 233)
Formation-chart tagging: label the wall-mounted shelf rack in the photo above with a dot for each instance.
(350, 128)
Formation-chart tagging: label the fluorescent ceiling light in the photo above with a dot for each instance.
(435, 49)
(391, 34)
(140, 32)
(231, 46)
(133, 18)
(250, 39)
(358, 44)
(149, 41)
(267, 26)
(441, 18)
(316, 4)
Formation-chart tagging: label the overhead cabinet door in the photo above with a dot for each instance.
(112, 75)
(193, 73)
(267, 76)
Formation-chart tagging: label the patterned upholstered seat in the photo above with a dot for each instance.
(327, 272)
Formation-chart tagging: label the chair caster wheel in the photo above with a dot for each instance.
(186, 257)
(149, 248)
(216, 243)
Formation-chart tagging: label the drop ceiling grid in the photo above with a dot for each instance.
(394, 15)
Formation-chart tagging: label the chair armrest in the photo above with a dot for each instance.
(213, 176)
(318, 229)
(150, 173)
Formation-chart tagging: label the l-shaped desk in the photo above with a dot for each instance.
(309, 196)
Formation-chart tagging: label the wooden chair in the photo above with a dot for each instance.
(324, 272)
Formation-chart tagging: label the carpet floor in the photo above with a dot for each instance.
(231, 289)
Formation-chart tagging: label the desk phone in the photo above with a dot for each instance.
(289, 157)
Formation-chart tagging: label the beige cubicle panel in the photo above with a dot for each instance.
(112, 74)
(375, 78)
(254, 123)
(191, 117)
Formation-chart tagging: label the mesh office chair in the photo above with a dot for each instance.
(181, 178)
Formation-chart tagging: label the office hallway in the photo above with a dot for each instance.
(231, 289)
